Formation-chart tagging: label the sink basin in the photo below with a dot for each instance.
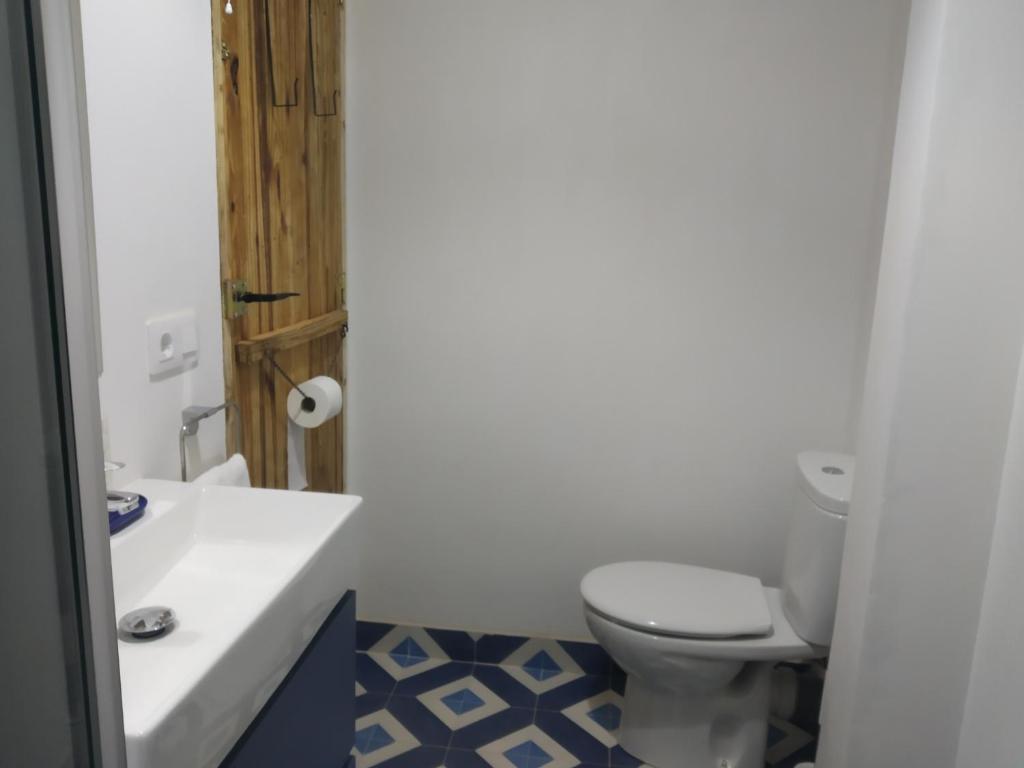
(251, 574)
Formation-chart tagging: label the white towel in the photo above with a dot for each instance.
(234, 472)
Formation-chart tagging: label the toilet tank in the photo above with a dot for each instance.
(814, 547)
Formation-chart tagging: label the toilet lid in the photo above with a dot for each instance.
(673, 599)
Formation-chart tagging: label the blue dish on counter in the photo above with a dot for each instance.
(120, 520)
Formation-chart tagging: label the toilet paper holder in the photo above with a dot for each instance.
(308, 403)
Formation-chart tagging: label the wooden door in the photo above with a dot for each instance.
(279, 80)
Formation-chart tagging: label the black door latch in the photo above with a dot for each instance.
(255, 298)
(236, 296)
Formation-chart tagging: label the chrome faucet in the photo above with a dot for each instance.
(190, 418)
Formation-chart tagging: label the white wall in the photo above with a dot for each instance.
(149, 85)
(942, 377)
(609, 269)
(991, 733)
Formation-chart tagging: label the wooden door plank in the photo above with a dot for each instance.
(298, 334)
(222, 77)
(325, 54)
(241, 205)
(325, 192)
(285, 161)
(282, 157)
(286, 35)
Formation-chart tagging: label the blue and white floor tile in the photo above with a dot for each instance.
(462, 702)
(542, 665)
(529, 747)
(431, 698)
(599, 716)
(407, 651)
(380, 737)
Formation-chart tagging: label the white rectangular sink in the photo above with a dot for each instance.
(251, 574)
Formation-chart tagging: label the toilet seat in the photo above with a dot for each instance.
(781, 644)
(679, 600)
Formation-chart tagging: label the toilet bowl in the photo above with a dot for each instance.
(703, 698)
(698, 645)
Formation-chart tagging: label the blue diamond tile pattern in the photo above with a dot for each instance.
(541, 666)
(607, 716)
(371, 739)
(528, 755)
(475, 713)
(407, 653)
(462, 701)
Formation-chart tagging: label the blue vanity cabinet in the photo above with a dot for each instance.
(310, 719)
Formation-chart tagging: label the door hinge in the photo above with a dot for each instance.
(341, 289)
(233, 308)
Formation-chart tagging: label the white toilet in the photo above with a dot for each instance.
(698, 645)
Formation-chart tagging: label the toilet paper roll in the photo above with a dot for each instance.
(325, 394)
(319, 400)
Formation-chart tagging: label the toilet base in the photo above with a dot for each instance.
(723, 728)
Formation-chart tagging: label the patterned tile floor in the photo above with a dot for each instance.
(445, 699)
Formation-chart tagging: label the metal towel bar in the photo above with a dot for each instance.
(190, 418)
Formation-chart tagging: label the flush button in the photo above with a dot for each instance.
(833, 471)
